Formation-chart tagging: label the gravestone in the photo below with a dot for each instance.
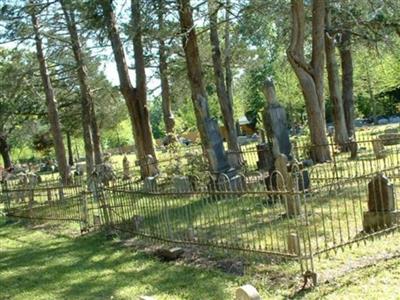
(275, 121)
(382, 211)
(286, 181)
(150, 184)
(247, 292)
(265, 157)
(126, 169)
(293, 244)
(182, 184)
(353, 147)
(215, 151)
(379, 149)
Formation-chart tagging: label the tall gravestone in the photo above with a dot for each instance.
(215, 151)
(275, 122)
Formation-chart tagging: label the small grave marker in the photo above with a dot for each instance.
(247, 292)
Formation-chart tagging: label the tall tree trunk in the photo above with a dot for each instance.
(51, 102)
(95, 135)
(69, 149)
(209, 133)
(5, 151)
(347, 80)
(86, 97)
(141, 89)
(225, 101)
(310, 75)
(163, 68)
(228, 53)
(137, 109)
(341, 136)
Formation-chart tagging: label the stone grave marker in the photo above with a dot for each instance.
(215, 151)
(182, 184)
(150, 184)
(275, 121)
(126, 168)
(247, 292)
(379, 149)
(286, 182)
(382, 211)
(265, 157)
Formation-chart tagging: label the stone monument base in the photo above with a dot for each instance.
(375, 221)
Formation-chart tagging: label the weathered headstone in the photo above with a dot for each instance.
(380, 194)
(293, 244)
(353, 147)
(182, 184)
(247, 292)
(379, 149)
(126, 169)
(215, 150)
(265, 157)
(150, 184)
(275, 121)
(382, 211)
(286, 181)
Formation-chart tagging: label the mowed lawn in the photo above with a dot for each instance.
(46, 263)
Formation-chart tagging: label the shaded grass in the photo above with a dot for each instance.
(39, 265)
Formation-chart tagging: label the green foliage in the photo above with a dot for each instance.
(156, 118)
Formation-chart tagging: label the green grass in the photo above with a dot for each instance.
(48, 263)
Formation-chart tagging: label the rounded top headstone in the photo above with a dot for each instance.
(247, 292)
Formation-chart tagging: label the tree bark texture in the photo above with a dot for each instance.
(225, 102)
(199, 95)
(69, 149)
(341, 136)
(86, 97)
(5, 151)
(168, 116)
(51, 102)
(347, 81)
(137, 108)
(310, 75)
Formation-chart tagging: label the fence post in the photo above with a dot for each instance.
(84, 212)
(6, 192)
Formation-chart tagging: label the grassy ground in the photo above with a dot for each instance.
(38, 263)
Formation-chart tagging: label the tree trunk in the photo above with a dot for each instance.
(209, 132)
(341, 136)
(69, 149)
(225, 101)
(5, 151)
(95, 135)
(228, 54)
(137, 109)
(141, 89)
(347, 81)
(163, 68)
(310, 75)
(86, 97)
(51, 102)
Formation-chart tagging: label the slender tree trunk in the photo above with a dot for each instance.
(163, 68)
(225, 101)
(51, 102)
(209, 132)
(86, 97)
(341, 136)
(141, 89)
(69, 149)
(347, 81)
(5, 151)
(228, 54)
(95, 135)
(310, 75)
(137, 109)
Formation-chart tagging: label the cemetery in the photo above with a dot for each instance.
(218, 149)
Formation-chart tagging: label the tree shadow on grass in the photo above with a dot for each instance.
(90, 267)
